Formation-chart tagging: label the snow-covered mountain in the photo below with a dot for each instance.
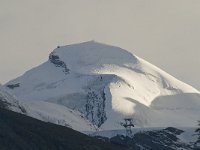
(91, 86)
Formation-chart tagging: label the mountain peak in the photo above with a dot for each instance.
(91, 54)
(91, 43)
(105, 85)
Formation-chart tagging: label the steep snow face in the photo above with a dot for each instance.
(107, 85)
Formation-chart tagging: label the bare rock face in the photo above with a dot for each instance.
(95, 107)
(58, 63)
(12, 86)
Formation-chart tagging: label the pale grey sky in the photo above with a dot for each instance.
(164, 32)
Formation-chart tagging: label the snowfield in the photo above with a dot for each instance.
(92, 86)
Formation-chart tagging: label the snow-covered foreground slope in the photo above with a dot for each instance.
(47, 112)
(104, 85)
(9, 102)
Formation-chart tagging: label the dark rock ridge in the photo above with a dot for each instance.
(57, 62)
(12, 86)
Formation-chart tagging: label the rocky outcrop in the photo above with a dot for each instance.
(95, 107)
(58, 63)
(12, 86)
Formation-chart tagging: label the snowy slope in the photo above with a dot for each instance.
(106, 85)
(9, 102)
(47, 112)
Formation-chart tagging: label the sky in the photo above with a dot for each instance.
(164, 32)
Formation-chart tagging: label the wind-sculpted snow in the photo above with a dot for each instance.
(104, 85)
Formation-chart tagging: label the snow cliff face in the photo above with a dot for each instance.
(106, 85)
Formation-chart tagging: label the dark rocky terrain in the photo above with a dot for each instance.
(165, 139)
(20, 132)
